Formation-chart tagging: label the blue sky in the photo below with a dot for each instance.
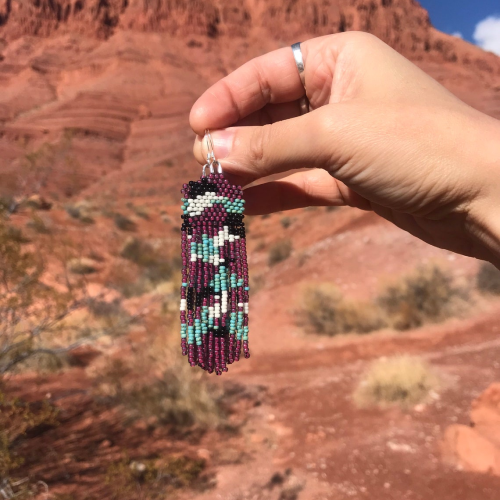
(464, 16)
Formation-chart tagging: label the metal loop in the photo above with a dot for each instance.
(212, 162)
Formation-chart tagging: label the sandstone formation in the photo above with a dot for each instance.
(477, 447)
(90, 88)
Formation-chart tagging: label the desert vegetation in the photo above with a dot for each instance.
(45, 314)
(280, 251)
(428, 295)
(399, 380)
(154, 263)
(488, 279)
(169, 392)
(327, 312)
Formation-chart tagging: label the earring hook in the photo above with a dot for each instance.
(210, 147)
(211, 160)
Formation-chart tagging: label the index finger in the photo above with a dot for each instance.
(271, 78)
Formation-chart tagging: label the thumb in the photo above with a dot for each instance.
(249, 153)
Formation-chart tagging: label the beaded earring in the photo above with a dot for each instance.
(215, 287)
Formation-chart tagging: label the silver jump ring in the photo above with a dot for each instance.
(299, 62)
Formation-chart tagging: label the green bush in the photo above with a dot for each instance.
(326, 312)
(428, 295)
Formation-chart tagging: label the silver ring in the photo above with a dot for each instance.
(299, 62)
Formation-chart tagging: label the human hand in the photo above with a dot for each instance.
(382, 135)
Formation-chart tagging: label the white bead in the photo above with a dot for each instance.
(216, 296)
(240, 304)
(190, 237)
(236, 237)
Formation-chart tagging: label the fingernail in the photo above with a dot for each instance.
(223, 143)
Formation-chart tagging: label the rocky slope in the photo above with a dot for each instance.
(110, 83)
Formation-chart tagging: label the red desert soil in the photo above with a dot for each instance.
(111, 85)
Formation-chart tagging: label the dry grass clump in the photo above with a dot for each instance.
(429, 295)
(156, 479)
(488, 279)
(326, 312)
(168, 390)
(400, 380)
(279, 252)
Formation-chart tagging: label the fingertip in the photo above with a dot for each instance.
(198, 150)
(197, 117)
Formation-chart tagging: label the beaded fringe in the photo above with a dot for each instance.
(215, 287)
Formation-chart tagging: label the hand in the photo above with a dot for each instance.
(382, 135)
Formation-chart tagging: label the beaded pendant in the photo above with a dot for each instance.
(215, 287)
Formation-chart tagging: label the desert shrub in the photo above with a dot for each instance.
(38, 224)
(402, 380)
(8, 204)
(286, 222)
(153, 479)
(81, 266)
(17, 418)
(428, 295)
(81, 212)
(34, 316)
(332, 208)
(155, 266)
(169, 391)
(111, 315)
(279, 252)
(14, 234)
(326, 312)
(124, 223)
(140, 211)
(488, 279)
(37, 202)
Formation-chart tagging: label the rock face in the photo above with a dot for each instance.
(93, 89)
(403, 24)
(477, 447)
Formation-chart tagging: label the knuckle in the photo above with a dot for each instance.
(260, 141)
